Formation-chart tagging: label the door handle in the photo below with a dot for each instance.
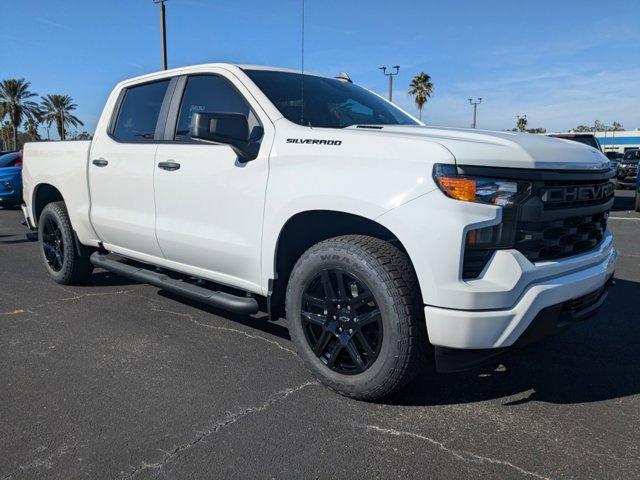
(169, 166)
(100, 162)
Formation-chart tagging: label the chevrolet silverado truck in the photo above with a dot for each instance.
(387, 245)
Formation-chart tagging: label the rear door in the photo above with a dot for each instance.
(121, 169)
(209, 206)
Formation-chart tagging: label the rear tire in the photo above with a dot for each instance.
(330, 338)
(58, 249)
(637, 206)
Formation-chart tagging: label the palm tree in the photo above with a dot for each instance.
(14, 102)
(617, 126)
(421, 89)
(521, 123)
(58, 108)
(31, 129)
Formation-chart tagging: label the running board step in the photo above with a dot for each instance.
(226, 301)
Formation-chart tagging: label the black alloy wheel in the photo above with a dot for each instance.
(355, 316)
(342, 322)
(65, 259)
(53, 244)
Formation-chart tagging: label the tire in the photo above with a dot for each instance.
(369, 268)
(637, 205)
(57, 247)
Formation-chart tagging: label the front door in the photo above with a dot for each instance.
(209, 204)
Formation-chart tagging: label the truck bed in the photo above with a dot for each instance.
(63, 166)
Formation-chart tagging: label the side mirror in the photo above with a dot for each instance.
(226, 128)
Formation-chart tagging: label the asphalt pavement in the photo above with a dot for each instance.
(119, 380)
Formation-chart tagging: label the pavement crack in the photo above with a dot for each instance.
(17, 311)
(95, 294)
(75, 297)
(462, 455)
(192, 319)
(219, 425)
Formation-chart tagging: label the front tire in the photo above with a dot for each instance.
(57, 246)
(637, 206)
(355, 316)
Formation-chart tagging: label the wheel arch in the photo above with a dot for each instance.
(303, 230)
(44, 194)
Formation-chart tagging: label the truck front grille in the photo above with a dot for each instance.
(556, 194)
(560, 238)
(563, 214)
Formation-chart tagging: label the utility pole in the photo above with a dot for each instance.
(163, 32)
(390, 75)
(475, 104)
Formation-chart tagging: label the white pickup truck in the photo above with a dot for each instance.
(383, 240)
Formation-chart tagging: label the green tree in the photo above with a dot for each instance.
(6, 136)
(521, 123)
(31, 129)
(84, 135)
(421, 89)
(58, 108)
(15, 103)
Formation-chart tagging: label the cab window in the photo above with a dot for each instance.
(212, 94)
(138, 115)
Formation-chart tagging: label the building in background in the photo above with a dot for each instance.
(619, 141)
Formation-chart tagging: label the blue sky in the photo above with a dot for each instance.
(561, 62)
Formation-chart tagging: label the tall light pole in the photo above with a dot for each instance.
(475, 104)
(163, 33)
(390, 75)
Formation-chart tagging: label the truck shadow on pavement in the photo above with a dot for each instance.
(593, 361)
(259, 322)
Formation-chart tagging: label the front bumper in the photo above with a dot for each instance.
(10, 199)
(549, 321)
(481, 329)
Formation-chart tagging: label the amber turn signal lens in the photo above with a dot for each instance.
(459, 188)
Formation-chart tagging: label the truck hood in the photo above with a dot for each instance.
(503, 149)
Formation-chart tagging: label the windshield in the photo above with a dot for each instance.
(585, 139)
(9, 160)
(327, 102)
(632, 156)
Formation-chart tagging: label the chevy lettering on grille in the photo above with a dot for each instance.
(579, 193)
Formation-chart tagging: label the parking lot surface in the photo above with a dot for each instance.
(121, 380)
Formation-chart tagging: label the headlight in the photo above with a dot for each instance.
(493, 191)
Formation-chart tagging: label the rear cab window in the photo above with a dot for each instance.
(139, 111)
